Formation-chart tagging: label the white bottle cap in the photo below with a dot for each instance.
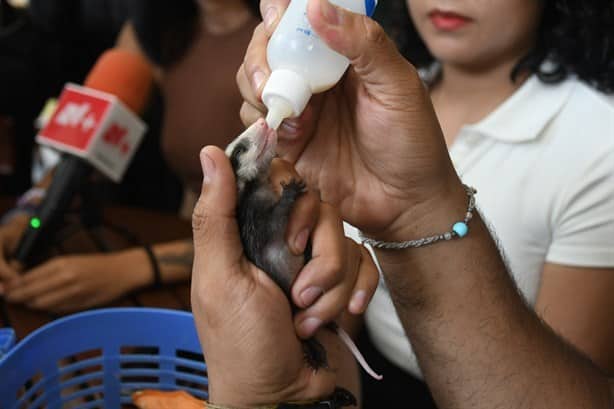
(286, 94)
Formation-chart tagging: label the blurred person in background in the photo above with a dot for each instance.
(195, 48)
(43, 45)
(520, 89)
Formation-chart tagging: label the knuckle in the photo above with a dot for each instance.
(249, 114)
(328, 312)
(62, 265)
(244, 113)
(199, 219)
(35, 304)
(375, 34)
(335, 266)
(260, 30)
(71, 274)
(206, 223)
(252, 62)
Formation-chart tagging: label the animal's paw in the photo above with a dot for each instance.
(294, 188)
(291, 191)
(315, 354)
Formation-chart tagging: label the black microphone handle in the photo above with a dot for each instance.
(69, 175)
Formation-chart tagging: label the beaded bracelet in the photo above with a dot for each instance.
(459, 230)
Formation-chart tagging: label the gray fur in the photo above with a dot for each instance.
(263, 215)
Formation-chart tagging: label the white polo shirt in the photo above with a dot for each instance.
(543, 165)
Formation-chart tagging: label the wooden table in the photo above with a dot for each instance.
(149, 227)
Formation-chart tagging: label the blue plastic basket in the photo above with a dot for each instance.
(97, 359)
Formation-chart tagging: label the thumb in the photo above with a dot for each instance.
(214, 226)
(373, 55)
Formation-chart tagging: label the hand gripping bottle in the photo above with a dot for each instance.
(301, 63)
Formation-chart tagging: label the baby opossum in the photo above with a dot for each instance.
(263, 216)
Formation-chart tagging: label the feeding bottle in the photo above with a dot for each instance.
(301, 63)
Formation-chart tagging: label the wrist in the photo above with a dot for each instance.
(226, 394)
(340, 398)
(419, 229)
(432, 211)
(135, 267)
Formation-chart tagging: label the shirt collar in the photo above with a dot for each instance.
(524, 115)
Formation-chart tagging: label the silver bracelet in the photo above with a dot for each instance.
(459, 230)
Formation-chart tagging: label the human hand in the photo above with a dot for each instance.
(372, 145)
(10, 234)
(73, 283)
(340, 277)
(244, 320)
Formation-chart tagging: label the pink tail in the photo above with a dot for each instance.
(347, 340)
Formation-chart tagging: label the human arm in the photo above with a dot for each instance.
(15, 224)
(577, 281)
(577, 303)
(76, 282)
(479, 345)
(491, 350)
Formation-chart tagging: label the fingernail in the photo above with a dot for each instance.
(208, 167)
(289, 131)
(310, 295)
(270, 17)
(358, 301)
(300, 243)
(258, 79)
(310, 325)
(330, 13)
(292, 125)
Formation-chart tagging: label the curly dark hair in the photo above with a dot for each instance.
(165, 29)
(577, 36)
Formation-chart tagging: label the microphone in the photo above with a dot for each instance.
(95, 126)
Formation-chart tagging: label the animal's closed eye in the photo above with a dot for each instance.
(240, 150)
(237, 153)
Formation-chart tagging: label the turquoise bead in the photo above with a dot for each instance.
(461, 229)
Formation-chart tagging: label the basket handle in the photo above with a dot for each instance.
(7, 341)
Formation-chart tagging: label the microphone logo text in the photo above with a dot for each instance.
(74, 115)
(116, 136)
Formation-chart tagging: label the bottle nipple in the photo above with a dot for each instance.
(279, 109)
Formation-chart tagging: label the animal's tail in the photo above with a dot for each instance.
(347, 340)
